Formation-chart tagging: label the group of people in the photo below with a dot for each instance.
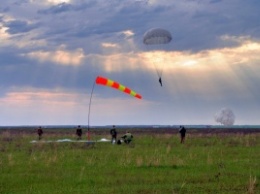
(127, 138)
(78, 132)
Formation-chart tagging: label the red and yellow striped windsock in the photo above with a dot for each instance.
(108, 82)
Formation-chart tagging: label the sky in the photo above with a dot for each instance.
(51, 52)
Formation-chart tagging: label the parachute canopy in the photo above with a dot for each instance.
(157, 36)
(110, 83)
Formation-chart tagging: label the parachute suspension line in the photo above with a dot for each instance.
(155, 64)
(89, 106)
(158, 71)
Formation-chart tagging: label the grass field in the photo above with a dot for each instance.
(153, 163)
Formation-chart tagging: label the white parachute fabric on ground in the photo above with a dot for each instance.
(60, 141)
(104, 140)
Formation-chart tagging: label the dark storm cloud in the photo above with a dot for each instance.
(192, 28)
(69, 7)
(19, 26)
(56, 9)
(215, 1)
(42, 75)
(4, 9)
(107, 27)
(201, 28)
(16, 70)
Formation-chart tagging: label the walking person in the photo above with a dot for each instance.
(182, 132)
(113, 134)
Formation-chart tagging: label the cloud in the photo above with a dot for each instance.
(26, 95)
(246, 53)
(62, 7)
(209, 74)
(3, 32)
(128, 33)
(19, 26)
(58, 1)
(34, 104)
(60, 56)
(85, 28)
(194, 70)
(109, 45)
(60, 106)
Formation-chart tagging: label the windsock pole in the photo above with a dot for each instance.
(89, 108)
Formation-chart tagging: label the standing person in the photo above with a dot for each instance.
(40, 132)
(79, 132)
(182, 132)
(128, 137)
(113, 134)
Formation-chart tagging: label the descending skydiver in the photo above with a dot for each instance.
(160, 81)
(157, 39)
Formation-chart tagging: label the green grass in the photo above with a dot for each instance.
(152, 164)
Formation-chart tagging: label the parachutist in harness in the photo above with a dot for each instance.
(160, 81)
(156, 39)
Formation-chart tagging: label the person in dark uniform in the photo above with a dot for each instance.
(113, 134)
(40, 132)
(79, 132)
(160, 81)
(182, 132)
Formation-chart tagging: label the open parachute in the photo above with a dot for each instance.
(156, 36)
(156, 40)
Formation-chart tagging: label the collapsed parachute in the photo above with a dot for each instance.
(108, 82)
(155, 40)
